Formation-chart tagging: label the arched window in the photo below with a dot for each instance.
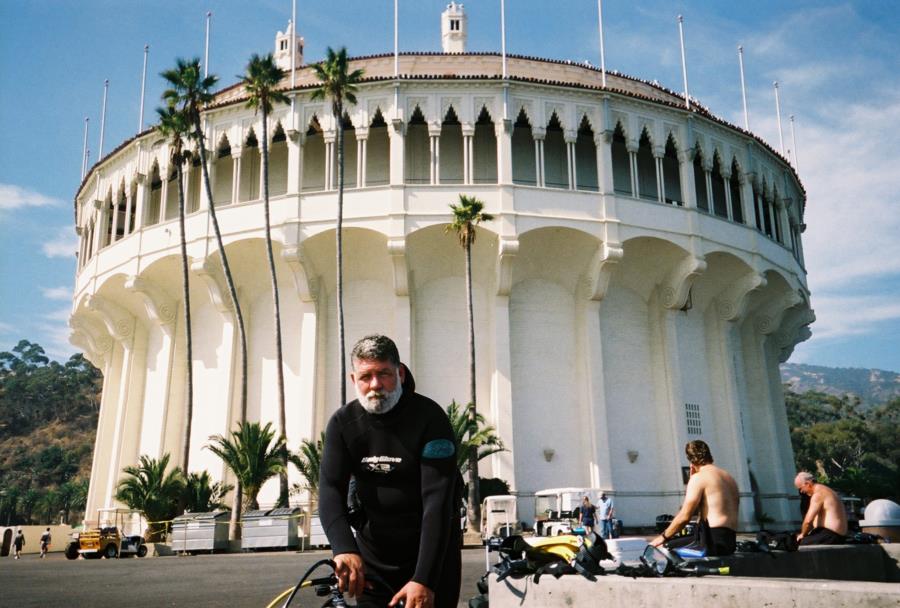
(418, 150)
(350, 155)
(278, 163)
(672, 174)
(646, 166)
(700, 182)
(720, 205)
(172, 193)
(523, 166)
(556, 161)
(155, 197)
(450, 152)
(314, 157)
(484, 150)
(586, 158)
(223, 171)
(621, 163)
(249, 164)
(378, 152)
(737, 209)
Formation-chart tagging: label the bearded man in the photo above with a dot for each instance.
(401, 450)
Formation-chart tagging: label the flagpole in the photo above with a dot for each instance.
(602, 54)
(143, 82)
(206, 47)
(396, 59)
(687, 98)
(743, 88)
(84, 148)
(293, 46)
(503, 57)
(103, 118)
(794, 146)
(778, 115)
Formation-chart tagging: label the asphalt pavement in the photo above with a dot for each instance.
(225, 580)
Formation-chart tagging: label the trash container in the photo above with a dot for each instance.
(193, 532)
(317, 536)
(271, 529)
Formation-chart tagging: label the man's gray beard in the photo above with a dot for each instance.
(377, 402)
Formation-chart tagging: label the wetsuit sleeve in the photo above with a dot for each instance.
(438, 475)
(334, 477)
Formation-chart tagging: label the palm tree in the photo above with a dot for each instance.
(466, 215)
(191, 90)
(174, 126)
(260, 81)
(472, 436)
(153, 491)
(201, 494)
(73, 497)
(338, 86)
(251, 455)
(308, 459)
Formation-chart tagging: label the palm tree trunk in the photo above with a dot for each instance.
(189, 359)
(279, 355)
(342, 366)
(233, 531)
(474, 510)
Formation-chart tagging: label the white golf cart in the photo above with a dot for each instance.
(499, 517)
(556, 509)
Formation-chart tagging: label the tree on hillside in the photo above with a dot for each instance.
(260, 80)
(338, 86)
(466, 216)
(190, 91)
(174, 126)
(253, 454)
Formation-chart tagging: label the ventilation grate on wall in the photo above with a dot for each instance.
(692, 418)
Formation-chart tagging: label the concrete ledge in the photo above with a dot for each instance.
(718, 591)
(877, 563)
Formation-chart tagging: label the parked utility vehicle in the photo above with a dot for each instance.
(556, 509)
(499, 517)
(109, 538)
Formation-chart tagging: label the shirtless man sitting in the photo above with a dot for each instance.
(826, 519)
(713, 494)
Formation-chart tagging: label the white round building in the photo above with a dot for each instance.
(640, 283)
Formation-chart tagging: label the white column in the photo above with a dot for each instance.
(603, 142)
(539, 133)
(397, 134)
(468, 132)
(710, 203)
(140, 198)
(503, 133)
(294, 159)
(359, 162)
(658, 153)
(362, 140)
(329, 138)
(595, 384)
(114, 220)
(688, 185)
(570, 137)
(632, 147)
(727, 179)
(235, 175)
(434, 135)
(502, 416)
(747, 202)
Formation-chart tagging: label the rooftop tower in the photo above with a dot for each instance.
(283, 49)
(454, 29)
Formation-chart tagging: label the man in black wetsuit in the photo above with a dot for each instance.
(401, 449)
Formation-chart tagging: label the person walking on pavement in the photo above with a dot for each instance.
(586, 514)
(45, 542)
(606, 511)
(19, 542)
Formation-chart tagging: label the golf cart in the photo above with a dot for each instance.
(556, 509)
(109, 537)
(499, 517)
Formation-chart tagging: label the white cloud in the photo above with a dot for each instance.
(6, 328)
(16, 197)
(57, 293)
(53, 334)
(64, 244)
(843, 316)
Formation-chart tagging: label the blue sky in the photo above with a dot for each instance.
(836, 63)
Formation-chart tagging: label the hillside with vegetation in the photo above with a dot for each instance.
(48, 422)
(872, 386)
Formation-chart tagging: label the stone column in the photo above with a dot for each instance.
(747, 203)
(726, 177)
(397, 135)
(235, 175)
(468, 132)
(294, 160)
(140, 199)
(98, 226)
(707, 179)
(632, 146)
(570, 137)
(434, 138)
(603, 141)
(502, 464)
(688, 185)
(659, 152)
(503, 133)
(329, 137)
(539, 134)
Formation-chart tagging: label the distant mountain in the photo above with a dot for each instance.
(872, 386)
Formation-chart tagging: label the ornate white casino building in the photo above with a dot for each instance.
(640, 283)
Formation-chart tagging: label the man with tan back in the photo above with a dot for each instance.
(825, 522)
(712, 494)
